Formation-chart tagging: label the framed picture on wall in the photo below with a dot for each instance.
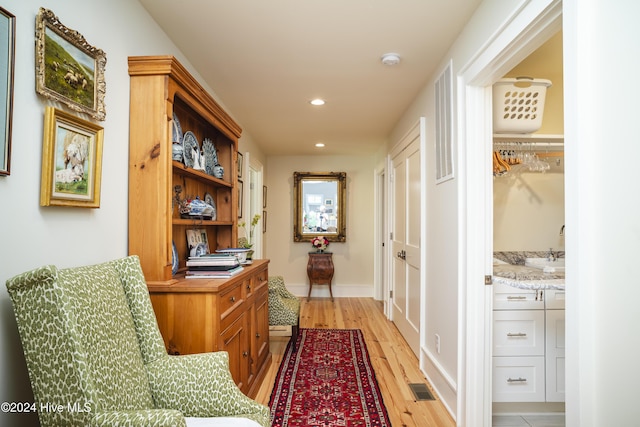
(264, 221)
(264, 196)
(68, 69)
(7, 67)
(240, 164)
(240, 196)
(71, 161)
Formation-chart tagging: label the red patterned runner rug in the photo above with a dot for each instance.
(327, 381)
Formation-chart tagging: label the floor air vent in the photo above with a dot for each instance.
(421, 391)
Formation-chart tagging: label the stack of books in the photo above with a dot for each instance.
(213, 266)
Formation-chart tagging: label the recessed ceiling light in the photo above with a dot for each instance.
(320, 144)
(390, 59)
(317, 101)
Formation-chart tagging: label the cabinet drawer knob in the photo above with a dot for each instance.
(232, 299)
(518, 334)
(245, 354)
(257, 335)
(249, 287)
(516, 380)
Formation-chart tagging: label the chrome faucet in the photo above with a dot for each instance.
(551, 256)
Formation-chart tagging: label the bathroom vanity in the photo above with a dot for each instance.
(528, 328)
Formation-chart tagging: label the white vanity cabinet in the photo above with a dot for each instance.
(528, 345)
(554, 355)
(518, 345)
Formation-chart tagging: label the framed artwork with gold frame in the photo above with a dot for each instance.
(7, 64)
(71, 161)
(68, 69)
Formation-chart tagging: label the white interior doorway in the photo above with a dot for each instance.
(406, 278)
(510, 46)
(253, 201)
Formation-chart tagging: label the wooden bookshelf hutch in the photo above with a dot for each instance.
(194, 315)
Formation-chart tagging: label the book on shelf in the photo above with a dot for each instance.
(206, 260)
(213, 274)
(212, 267)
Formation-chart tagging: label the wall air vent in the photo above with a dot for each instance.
(444, 126)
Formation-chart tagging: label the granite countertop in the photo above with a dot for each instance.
(509, 269)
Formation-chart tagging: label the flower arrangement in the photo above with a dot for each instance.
(320, 243)
(249, 234)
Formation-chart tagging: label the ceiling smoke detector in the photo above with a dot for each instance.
(390, 59)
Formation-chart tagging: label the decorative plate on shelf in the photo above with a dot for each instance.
(191, 149)
(208, 199)
(177, 130)
(210, 155)
(175, 262)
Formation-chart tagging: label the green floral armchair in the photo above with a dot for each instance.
(94, 352)
(284, 307)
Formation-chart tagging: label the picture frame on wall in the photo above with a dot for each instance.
(264, 221)
(68, 68)
(7, 68)
(71, 161)
(240, 164)
(264, 196)
(240, 196)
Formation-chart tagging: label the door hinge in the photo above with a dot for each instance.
(391, 294)
(488, 279)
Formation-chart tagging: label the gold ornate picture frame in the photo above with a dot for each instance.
(68, 69)
(7, 67)
(71, 161)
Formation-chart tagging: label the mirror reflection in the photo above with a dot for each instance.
(319, 205)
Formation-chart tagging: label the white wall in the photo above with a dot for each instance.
(353, 260)
(603, 235)
(529, 210)
(34, 235)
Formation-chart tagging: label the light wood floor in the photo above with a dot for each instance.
(393, 361)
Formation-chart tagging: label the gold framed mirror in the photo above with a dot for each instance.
(319, 205)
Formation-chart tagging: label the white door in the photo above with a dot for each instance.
(405, 241)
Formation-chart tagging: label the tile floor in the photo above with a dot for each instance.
(528, 420)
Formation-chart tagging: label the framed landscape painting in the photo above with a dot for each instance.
(68, 69)
(71, 161)
(7, 55)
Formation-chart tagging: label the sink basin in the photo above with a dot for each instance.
(545, 265)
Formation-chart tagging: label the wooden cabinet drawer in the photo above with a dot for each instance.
(507, 297)
(518, 333)
(518, 379)
(229, 301)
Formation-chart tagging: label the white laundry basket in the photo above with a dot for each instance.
(518, 104)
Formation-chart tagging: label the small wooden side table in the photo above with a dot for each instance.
(320, 270)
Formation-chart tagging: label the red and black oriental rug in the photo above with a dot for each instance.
(327, 381)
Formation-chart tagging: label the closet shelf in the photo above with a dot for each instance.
(535, 138)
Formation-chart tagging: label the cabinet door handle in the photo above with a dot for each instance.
(516, 380)
(519, 334)
(517, 298)
(232, 299)
(257, 335)
(249, 288)
(245, 354)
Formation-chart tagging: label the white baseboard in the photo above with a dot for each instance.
(443, 384)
